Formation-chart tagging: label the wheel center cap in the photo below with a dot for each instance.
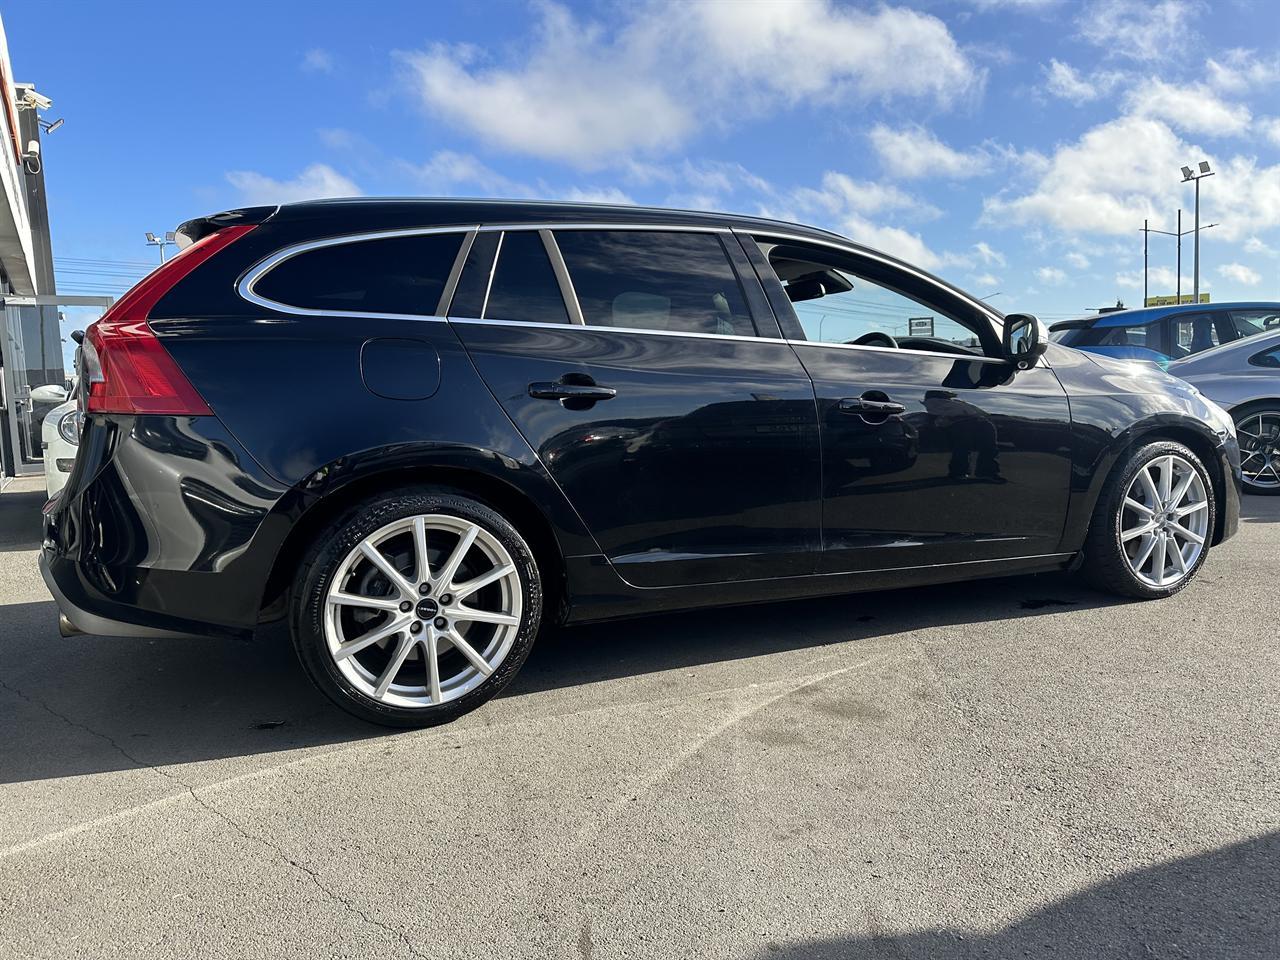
(427, 608)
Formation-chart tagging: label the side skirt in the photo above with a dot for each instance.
(597, 593)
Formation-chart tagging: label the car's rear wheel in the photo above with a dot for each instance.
(1152, 526)
(1258, 429)
(416, 607)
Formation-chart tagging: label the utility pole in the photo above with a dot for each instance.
(1189, 174)
(1178, 268)
(1146, 239)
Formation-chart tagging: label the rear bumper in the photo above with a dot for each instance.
(158, 533)
(74, 620)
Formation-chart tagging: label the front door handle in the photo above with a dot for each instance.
(582, 392)
(876, 408)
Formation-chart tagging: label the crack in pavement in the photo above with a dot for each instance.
(190, 791)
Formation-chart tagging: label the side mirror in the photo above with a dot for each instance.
(1025, 340)
(49, 393)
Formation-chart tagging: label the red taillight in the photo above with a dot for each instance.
(126, 368)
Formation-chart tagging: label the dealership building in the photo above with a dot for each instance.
(31, 352)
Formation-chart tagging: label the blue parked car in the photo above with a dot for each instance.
(1165, 334)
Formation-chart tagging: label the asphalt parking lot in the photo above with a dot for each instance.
(1017, 768)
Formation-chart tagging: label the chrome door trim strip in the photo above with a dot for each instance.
(604, 329)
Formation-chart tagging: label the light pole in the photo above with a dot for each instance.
(1189, 174)
(161, 241)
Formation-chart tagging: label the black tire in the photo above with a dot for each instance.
(1106, 565)
(323, 560)
(1241, 416)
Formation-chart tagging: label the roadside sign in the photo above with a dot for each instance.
(920, 326)
(1173, 300)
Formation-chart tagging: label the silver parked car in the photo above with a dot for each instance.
(1243, 377)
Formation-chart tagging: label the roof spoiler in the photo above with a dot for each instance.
(1080, 323)
(199, 228)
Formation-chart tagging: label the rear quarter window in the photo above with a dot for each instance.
(404, 275)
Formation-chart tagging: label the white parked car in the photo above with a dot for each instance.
(59, 436)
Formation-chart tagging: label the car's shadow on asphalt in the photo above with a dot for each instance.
(1216, 904)
(81, 705)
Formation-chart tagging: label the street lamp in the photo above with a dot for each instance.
(1146, 231)
(1189, 174)
(161, 241)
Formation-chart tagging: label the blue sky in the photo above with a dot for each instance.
(1012, 146)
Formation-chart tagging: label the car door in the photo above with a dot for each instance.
(631, 361)
(934, 449)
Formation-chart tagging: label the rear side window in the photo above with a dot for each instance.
(1250, 322)
(1142, 336)
(1267, 358)
(651, 280)
(392, 275)
(524, 285)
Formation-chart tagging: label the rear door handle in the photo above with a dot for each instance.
(863, 406)
(547, 390)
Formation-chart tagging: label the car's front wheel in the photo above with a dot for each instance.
(1258, 429)
(416, 607)
(1153, 523)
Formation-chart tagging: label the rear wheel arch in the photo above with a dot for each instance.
(515, 505)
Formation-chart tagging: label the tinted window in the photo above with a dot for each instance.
(1124, 340)
(655, 281)
(1249, 322)
(1193, 334)
(396, 275)
(836, 299)
(524, 285)
(1268, 358)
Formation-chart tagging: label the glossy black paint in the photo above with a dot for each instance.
(713, 476)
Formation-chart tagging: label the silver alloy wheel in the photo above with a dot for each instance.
(1259, 435)
(395, 619)
(1164, 521)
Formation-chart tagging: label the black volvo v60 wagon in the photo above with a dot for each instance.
(420, 429)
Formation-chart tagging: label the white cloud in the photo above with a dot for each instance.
(841, 192)
(447, 171)
(1240, 274)
(914, 152)
(1077, 260)
(584, 95)
(1240, 70)
(1126, 170)
(1067, 83)
(1195, 109)
(1269, 127)
(317, 60)
(1018, 5)
(1255, 245)
(987, 255)
(1160, 280)
(317, 181)
(598, 195)
(1139, 29)
(1051, 275)
(985, 280)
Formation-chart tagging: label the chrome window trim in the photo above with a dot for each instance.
(900, 351)
(651, 227)
(603, 329)
(451, 284)
(264, 266)
(493, 269)
(567, 290)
